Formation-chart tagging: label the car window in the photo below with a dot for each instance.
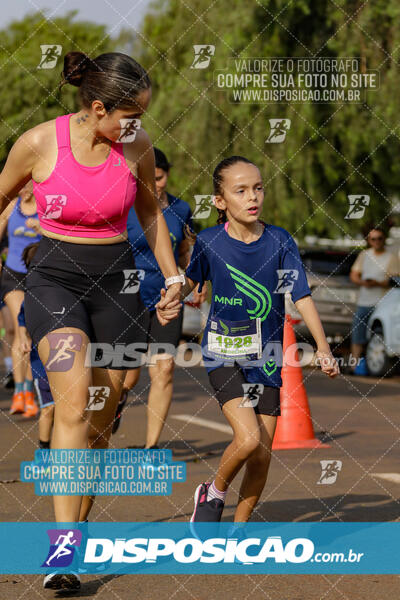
(328, 262)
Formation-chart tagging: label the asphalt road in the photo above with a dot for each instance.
(359, 417)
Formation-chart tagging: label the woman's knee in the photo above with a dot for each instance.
(247, 444)
(162, 372)
(259, 460)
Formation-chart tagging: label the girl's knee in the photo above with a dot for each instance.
(246, 445)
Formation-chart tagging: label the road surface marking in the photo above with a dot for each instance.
(394, 477)
(203, 423)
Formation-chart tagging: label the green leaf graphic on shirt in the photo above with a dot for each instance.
(225, 329)
(254, 290)
(272, 365)
(173, 241)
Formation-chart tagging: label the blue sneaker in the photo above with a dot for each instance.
(205, 511)
(361, 369)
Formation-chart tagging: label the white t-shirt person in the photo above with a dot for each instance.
(378, 266)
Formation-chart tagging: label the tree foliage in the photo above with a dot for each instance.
(30, 95)
(332, 150)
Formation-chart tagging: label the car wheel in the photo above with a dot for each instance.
(378, 362)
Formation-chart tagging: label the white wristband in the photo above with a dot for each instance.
(175, 279)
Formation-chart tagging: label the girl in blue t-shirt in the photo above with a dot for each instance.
(250, 265)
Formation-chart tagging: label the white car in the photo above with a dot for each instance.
(383, 348)
(194, 318)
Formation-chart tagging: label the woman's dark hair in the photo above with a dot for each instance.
(218, 179)
(161, 160)
(114, 78)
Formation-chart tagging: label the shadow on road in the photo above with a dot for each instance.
(349, 507)
(89, 588)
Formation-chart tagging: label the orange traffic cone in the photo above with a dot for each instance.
(294, 427)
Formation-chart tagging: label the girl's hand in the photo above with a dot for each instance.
(190, 236)
(169, 305)
(327, 362)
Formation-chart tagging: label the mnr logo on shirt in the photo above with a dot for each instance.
(255, 291)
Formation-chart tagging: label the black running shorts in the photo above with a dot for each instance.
(164, 336)
(228, 382)
(94, 288)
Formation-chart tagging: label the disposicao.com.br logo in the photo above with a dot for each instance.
(190, 550)
(201, 548)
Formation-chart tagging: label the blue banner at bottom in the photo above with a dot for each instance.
(212, 548)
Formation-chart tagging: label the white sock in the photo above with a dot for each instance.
(8, 363)
(213, 492)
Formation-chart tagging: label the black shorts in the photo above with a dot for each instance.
(166, 336)
(11, 281)
(94, 288)
(228, 384)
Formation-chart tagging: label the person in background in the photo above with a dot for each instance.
(20, 218)
(371, 271)
(46, 402)
(6, 324)
(178, 217)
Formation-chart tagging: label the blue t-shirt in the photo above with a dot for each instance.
(38, 370)
(249, 281)
(19, 237)
(177, 214)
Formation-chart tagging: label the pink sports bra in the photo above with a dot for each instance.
(82, 201)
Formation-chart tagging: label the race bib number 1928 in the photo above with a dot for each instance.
(234, 339)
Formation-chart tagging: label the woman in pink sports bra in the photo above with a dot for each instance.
(82, 304)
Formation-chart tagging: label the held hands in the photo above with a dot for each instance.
(169, 305)
(327, 362)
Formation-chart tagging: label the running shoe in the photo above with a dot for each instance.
(31, 408)
(205, 511)
(17, 404)
(62, 581)
(118, 412)
(8, 381)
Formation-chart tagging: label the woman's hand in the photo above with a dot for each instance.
(327, 362)
(25, 342)
(169, 305)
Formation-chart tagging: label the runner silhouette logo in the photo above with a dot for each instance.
(202, 56)
(358, 204)
(251, 394)
(133, 277)
(279, 129)
(129, 128)
(204, 204)
(50, 55)
(63, 544)
(62, 351)
(330, 470)
(98, 395)
(54, 205)
(286, 280)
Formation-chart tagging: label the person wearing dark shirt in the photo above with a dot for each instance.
(250, 265)
(162, 340)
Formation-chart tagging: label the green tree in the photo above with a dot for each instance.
(331, 151)
(30, 95)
